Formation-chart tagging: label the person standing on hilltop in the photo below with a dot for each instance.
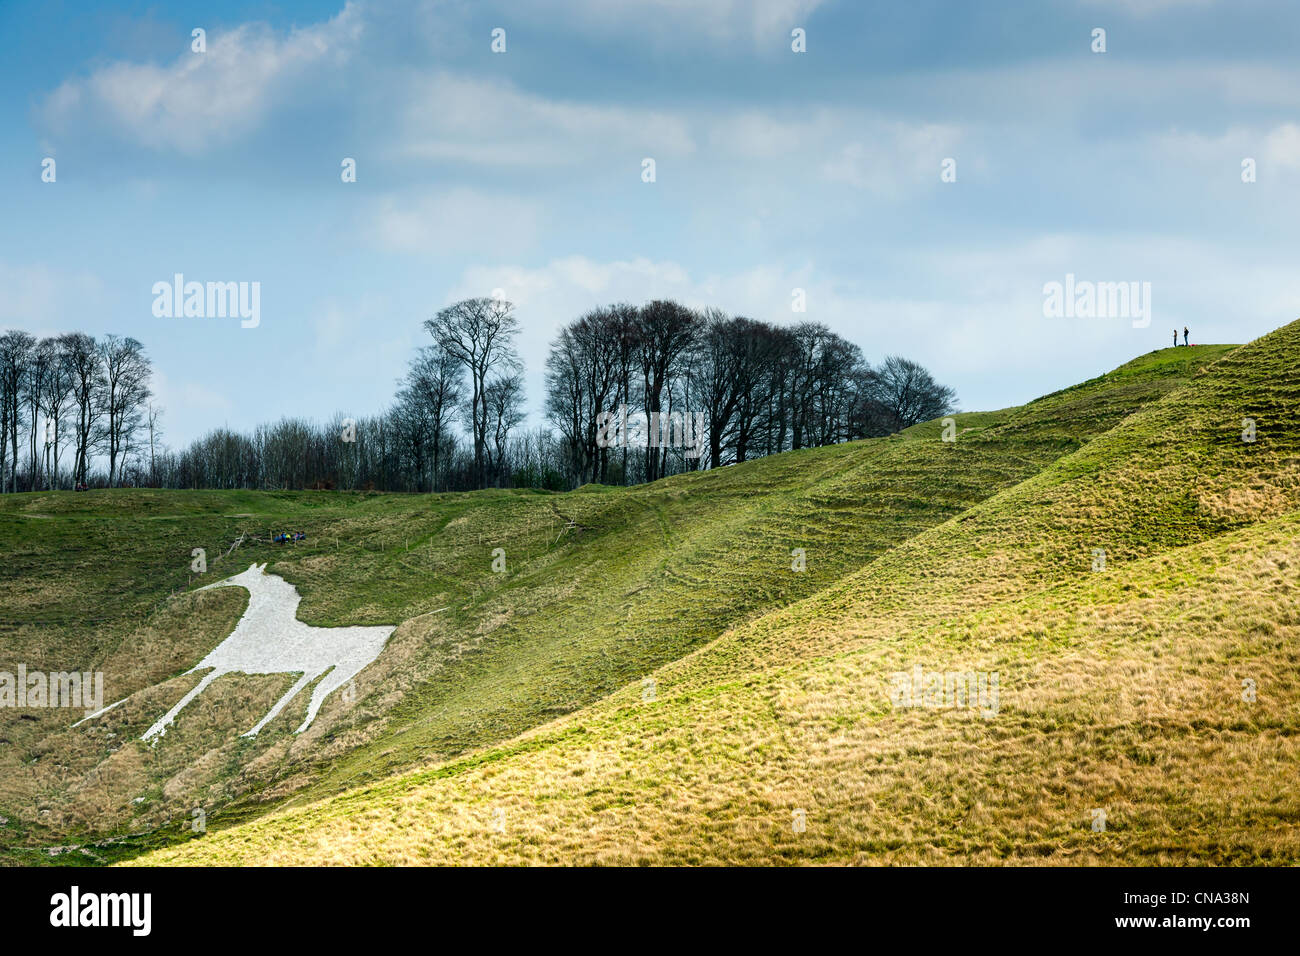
(1175, 338)
(1184, 335)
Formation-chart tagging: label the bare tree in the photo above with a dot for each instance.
(16, 349)
(756, 381)
(567, 400)
(666, 330)
(58, 389)
(427, 403)
(626, 326)
(87, 375)
(153, 421)
(730, 361)
(714, 374)
(902, 393)
(42, 362)
(838, 365)
(504, 397)
(584, 372)
(478, 333)
(126, 373)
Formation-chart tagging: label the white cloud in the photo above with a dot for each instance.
(898, 155)
(566, 287)
(489, 122)
(1275, 148)
(885, 157)
(1282, 146)
(762, 24)
(1055, 96)
(201, 99)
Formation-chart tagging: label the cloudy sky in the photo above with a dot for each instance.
(522, 171)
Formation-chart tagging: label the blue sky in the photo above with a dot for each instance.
(521, 171)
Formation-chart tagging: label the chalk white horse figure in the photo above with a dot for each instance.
(269, 639)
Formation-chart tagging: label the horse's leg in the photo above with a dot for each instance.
(302, 682)
(101, 712)
(329, 683)
(161, 727)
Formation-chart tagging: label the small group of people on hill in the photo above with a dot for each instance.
(1184, 336)
(284, 537)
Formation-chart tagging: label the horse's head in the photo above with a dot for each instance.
(244, 579)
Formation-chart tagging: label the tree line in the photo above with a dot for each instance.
(633, 393)
(759, 389)
(73, 395)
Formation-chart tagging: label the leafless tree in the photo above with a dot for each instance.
(87, 373)
(585, 369)
(731, 366)
(426, 405)
(504, 397)
(758, 350)
(666, 330)
(126, 373)
(567, 400)
(479, 334)
(153, 420)
(58, 389)
(16, 348)
(902, 393)
(42, 360)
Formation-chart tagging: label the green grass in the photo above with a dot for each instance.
(911, 542)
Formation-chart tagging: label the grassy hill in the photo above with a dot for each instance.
(525, 706)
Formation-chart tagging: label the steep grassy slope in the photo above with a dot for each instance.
(1161, 693)
(602, 586)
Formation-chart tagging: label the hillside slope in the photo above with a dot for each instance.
(1158, 693)
(602, 586)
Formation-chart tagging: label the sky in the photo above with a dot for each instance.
(522, 171)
